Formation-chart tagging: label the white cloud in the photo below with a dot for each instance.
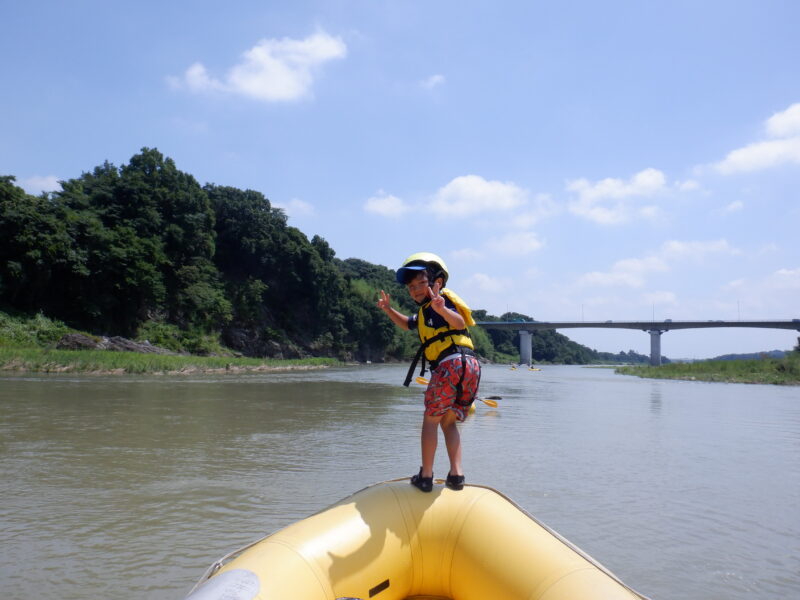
(734, 285)
(786, 123)
(630, 272)
(774, 296)
(606, 201)
(633, 272)
(297, 208)
(786, 279)
(734, 206)
(540, 208)
(650, 212)
(37, 184)
(487, 283)
(690, 185)
(760, 156)
(273, 70)
(196, 79)
(784, 149)
(517, 243)
(467, 254)
(386, 205)
(468, 195)
(697, 251)
(643, 183)
(471, 194)
(641, 265)
(432, 81)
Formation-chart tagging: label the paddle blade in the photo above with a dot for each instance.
(488, 402)
(421, 381)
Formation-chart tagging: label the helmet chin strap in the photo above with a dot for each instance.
(434, 275)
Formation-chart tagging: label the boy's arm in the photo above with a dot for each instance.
(397, 317)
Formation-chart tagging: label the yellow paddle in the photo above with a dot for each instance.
(488, 401)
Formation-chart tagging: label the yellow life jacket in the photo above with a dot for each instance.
(435, 349)
(438, 342)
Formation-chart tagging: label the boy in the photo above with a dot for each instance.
(441, 323)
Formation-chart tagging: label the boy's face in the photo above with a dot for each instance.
(418, 287)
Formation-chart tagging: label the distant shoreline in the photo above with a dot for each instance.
(781, 371)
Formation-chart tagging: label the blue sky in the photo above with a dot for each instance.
(621, 160)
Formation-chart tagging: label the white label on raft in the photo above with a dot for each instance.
(237, 584)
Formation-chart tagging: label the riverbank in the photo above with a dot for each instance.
(783, 371)
(105, 362)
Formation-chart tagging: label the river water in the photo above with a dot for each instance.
(130, 487)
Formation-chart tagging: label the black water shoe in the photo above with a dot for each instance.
(455, 482)
(423, 483)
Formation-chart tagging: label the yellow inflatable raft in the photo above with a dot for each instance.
(392, 542)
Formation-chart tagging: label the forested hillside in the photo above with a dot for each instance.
(144, 251)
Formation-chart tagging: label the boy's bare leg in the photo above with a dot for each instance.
(429, 439)
(452, 438)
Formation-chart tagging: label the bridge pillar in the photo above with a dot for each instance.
(655, 347)
(525, 348)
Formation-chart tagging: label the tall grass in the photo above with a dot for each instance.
(30, 331)
(781, 371)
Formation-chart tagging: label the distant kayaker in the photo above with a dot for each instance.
(441, 323)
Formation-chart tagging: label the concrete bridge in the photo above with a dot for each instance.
(654, 328)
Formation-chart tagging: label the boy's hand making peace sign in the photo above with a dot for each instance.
(384, 302)
(437, 301)
(453, 318)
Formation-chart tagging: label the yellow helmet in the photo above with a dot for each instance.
(423, 261)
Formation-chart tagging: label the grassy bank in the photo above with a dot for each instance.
(782, 371)
(43, 360)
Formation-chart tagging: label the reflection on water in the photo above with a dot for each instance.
(655, 397)
(131, 487)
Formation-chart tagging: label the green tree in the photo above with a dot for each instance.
(147, 231)
(181, 216)
(250, 239)
(122, 282)
(277, 278)
(37, 253)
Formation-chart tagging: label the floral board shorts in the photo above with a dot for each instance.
(440, 396)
